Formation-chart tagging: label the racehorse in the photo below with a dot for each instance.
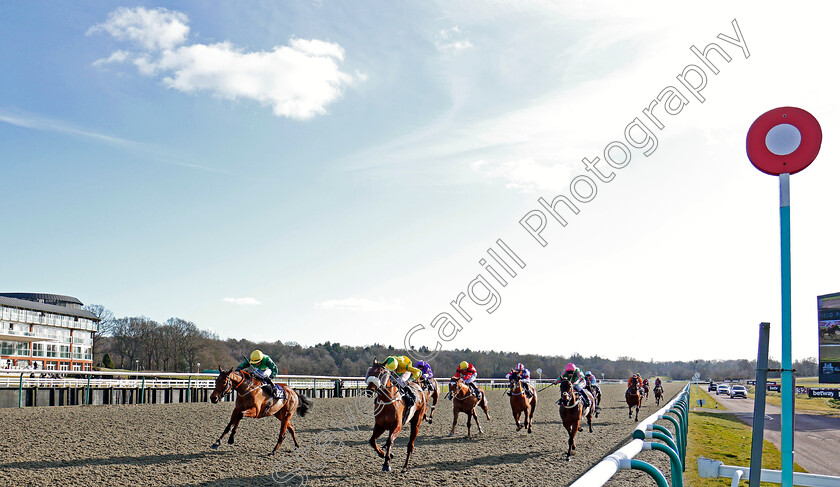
(464, 401)
(521, 403)
(572, 411)
(255, 400)
(646, 387)
(633, 396)
(391, 413)
(657, 394)
(595, 390)
(432, 390)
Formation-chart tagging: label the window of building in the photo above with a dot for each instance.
(50, 366)
(38, 350)
(63, 366)
(77, 367)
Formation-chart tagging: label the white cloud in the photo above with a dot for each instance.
(526, 175)
(362, 304)
(298, 80)
(153, 30)
(242, 301)
(446, 40)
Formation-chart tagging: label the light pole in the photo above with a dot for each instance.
(539, 371)
(198, 367)
(137, 365)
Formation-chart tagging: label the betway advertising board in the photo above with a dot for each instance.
(828, 330)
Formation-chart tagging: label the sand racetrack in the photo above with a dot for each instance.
(170, 445)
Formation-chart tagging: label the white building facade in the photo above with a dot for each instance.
(45, 331)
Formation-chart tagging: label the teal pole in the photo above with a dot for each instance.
(650, 470)
(665, 431)
(787, 374)
(87, 392)
(676, 464)
(20, 392)
(677, 430)
(143, 391)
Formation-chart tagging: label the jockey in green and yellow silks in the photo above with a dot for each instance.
(264, 368)
(402, 367)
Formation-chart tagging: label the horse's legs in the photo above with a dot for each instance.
(292, 431)
(377, 432)
(470, 415)
(476, 422)
(415, 426)
(434, 403)
(386, 467)
(484, 407)
(589, 419)
(516, 414)
(227, 428)
(235, 418)
(284, 424)
(454, 420)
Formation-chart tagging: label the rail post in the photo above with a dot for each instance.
(20, 392)
(87, 392)
(189, 384)
(676, 464)
(647, 468)
(677, 430)
(143, 391)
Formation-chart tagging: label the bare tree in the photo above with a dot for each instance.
(105, 327)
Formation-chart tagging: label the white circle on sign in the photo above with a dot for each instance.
(783, 139)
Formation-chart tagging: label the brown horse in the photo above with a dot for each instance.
(521, 403)
(657, 394)
(432, 391)
(633, 396)
(391, 413)
(646, 388)
(255, 400)
(464, 401)
(572, 412)
(595, 390)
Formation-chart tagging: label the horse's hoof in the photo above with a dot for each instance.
(391, 456)
(386, 468)
(214, 446)
(451, 435)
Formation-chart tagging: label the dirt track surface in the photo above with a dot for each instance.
(170, 445)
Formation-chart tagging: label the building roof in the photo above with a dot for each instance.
(57, 299)
(5, 300)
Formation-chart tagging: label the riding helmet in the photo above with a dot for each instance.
(256, 357)
(464, 365)
(391, 363)
(570, 367)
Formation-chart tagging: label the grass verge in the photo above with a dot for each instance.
(723, 437)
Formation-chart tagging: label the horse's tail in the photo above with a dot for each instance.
(304, 406)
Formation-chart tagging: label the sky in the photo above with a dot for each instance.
(333, 171)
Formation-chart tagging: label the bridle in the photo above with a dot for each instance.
(570, 392)
(460, 389)
(514, 381)
(380, 382)
(230, 386)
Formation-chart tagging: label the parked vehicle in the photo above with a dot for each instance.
(723, 389)
(738, 391)
(712, 386)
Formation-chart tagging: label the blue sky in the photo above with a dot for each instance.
(330, 171)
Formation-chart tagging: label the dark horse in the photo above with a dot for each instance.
(657, 394)
(464, 401)
(633, 396)
(391, 413)
(521, 403)
(646, 388)
(432, 390)
(595, 390)
(255, 400)
(572, 412)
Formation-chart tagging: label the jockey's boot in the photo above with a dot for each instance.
(529, 392)
(408, 395)
(475, 390)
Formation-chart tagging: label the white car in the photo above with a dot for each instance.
(738, 391)
(723, 389)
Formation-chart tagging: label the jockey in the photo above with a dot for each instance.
(658, 382)
(524, 377)
(264, 368)
(467, 370)
(575, 376)
(425, 372)
(636, 379)
(401, 365)
(590, 378)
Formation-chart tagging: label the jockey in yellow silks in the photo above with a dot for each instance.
(403, 368)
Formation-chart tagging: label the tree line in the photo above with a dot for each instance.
(177, 345)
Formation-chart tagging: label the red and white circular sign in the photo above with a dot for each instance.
(784, 140)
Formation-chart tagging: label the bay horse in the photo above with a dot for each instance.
(521, 403)
(646, 387)
(633, 396)
(254, 400)
(572, 412)
(432, 391)
(657, 394)
(391, 413)
(464, 401)
(595, 390)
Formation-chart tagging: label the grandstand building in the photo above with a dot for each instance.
(45, 331)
